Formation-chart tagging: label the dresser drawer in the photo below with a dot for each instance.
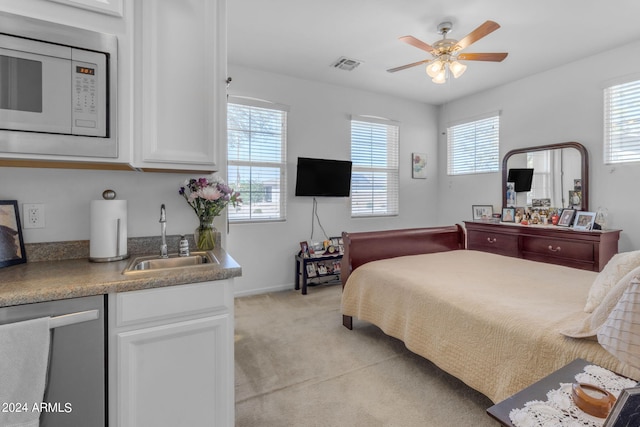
(582, 251)
(497, 243)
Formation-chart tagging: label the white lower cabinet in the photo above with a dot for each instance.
(171, 356)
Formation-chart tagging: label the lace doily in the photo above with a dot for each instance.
(559, 409)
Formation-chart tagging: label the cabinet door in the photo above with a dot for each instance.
(176, 374)
(180, 73)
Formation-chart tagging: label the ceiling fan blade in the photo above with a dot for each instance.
(487, 28)
(417, 43)
(494, 57)
(404, 67)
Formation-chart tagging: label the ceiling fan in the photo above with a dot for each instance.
(446, 52)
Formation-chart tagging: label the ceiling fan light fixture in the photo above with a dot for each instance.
(435, 67)
(457, 68)
(441, 78)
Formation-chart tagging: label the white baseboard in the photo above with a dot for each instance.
(258, 291)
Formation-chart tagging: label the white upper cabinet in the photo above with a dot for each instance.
(179, 84)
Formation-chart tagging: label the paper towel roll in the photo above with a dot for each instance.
(108, 230)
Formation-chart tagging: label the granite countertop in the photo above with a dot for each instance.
(70, 278)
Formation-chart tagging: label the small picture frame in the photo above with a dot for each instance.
(584, 220)
(11, 241)
(418, 165)
(482, 212)
(508, 215)
(566, 217)
(311, 270)
(626, 410)
(575, 199)
(304, 250)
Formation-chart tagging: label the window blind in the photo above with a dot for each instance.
(257, 161)
(622, 123)
(473, 147)
(375, 175)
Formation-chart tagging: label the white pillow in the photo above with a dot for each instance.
(619, 265)
(591, 324)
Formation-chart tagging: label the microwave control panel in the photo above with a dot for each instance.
(85, 94)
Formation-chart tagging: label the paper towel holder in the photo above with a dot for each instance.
(109, 195)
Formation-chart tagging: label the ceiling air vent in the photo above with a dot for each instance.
(346, 63)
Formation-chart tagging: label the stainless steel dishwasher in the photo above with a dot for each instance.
(76, 376)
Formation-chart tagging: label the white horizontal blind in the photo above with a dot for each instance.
(374, 178)
(622, 123)
(257, 161)
(473, 147)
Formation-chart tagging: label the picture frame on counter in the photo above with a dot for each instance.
(11, 241)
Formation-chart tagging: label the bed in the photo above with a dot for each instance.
(490, 320)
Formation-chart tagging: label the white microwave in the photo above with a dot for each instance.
(57, 89)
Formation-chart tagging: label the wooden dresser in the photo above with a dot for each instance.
(588, 250)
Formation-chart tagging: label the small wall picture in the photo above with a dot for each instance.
(482, 212)
(566, 217)
(419, 165)
(577, 184)
(11, 242)
(584, 220)
(626, 410)
(508, 214)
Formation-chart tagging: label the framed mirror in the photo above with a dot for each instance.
(560, 173)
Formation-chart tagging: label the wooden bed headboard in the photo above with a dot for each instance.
(363, 247)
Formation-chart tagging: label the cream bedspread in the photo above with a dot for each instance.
(489, 320)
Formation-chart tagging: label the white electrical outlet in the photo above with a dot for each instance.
(33, 214)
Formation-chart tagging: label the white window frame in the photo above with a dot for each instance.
(381, 203)
(252, 103)
(622, 122)
(473, 146)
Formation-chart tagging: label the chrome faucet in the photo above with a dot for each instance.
(163, 231)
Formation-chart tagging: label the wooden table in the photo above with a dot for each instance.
(537, 391)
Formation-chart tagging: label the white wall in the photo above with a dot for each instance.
(563, 104)
(319, 126)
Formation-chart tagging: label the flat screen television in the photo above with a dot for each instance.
(521, 178)
(322, 177)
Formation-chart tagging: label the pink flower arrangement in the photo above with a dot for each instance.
(208, 197)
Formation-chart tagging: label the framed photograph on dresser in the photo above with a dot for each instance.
(566, 217)
(584, 220)
(482, 212)
(626, 410)
(11, 241)
(508, 214)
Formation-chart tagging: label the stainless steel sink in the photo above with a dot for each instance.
(155, 263)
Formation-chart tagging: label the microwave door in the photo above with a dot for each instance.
(35, 90)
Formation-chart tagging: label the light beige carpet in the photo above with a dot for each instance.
(296, 365)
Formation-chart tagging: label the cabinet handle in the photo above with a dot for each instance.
(556, 249)
(491, 239)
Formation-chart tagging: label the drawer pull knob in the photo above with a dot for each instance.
(491, 239)
(556, 249)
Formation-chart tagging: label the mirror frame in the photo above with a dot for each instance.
(584, 166)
